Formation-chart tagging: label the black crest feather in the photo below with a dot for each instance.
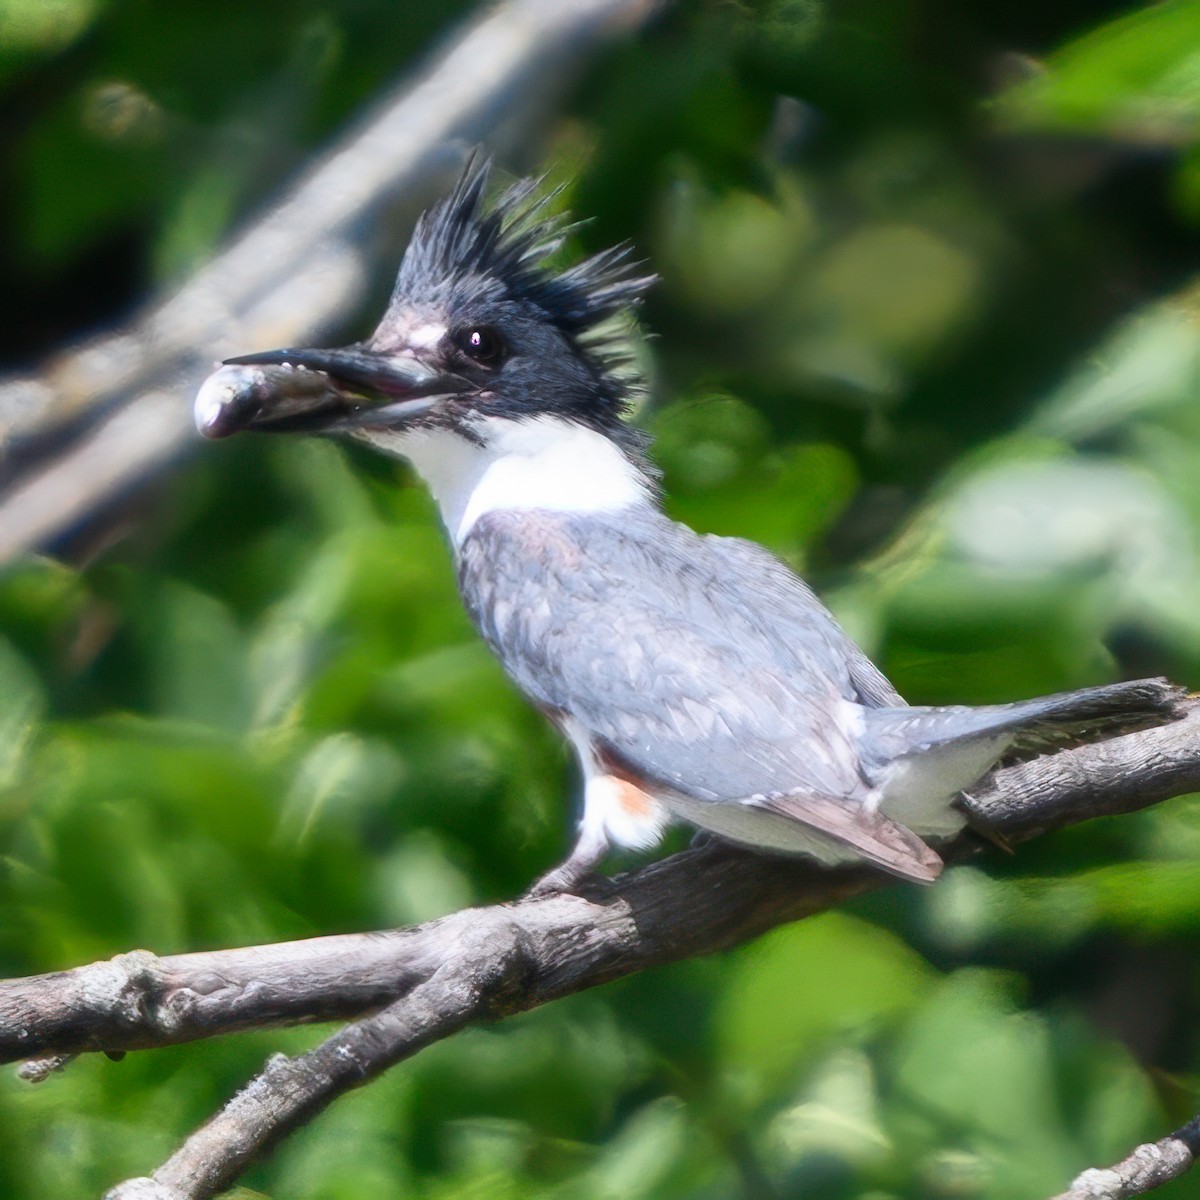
(466, 246)
(507, 244)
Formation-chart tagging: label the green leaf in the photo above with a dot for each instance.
(22, 702)
(1135, 77)
(791, 992)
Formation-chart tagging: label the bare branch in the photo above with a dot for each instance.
(1121, 775)
(426, 982)
(504, 69)
(702, 900)
(1148, 1167)
(290, 1091)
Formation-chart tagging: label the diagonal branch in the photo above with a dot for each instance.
(427, 982)
(290, 1091)
(699, 901)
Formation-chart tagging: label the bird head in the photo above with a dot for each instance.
(481, 329)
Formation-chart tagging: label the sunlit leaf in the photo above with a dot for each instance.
(793, 990)
(22, 702)
(1137, 76)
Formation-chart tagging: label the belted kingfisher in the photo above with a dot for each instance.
(695, 676)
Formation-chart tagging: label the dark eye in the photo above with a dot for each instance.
(482, 344)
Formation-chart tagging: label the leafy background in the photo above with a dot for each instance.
(927, 327)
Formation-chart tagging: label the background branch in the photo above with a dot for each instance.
(1148, 1167)
(121, 405)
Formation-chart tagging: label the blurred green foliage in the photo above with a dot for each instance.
(928, 329)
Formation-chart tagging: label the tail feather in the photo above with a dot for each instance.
(1065, 718)
(921, 758)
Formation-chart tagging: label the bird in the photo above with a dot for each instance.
(696, 677)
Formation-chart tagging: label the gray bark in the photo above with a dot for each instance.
(1148, 1167)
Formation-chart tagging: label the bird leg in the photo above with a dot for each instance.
(590, 847)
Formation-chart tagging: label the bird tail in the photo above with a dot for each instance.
(1029, 726)
(919, 759)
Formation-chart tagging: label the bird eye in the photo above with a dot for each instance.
(481, 344)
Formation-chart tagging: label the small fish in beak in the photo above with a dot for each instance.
(236, 396)
(318, 391)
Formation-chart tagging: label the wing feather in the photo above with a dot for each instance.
(702, 662)
(871, 835)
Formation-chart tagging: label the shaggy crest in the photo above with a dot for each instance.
(465, 249)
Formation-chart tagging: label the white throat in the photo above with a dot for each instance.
(541, 462)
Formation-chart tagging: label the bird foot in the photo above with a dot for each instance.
(565, 879)
(576, 874)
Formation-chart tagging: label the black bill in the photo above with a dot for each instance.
(318, 391)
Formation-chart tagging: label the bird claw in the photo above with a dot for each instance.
(567, 878)
(559, 881)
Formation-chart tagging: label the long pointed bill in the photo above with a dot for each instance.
(318, 391)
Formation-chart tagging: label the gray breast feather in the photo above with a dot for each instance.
(699, 663)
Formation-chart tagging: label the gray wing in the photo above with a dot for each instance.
(870, 686)
(696, 662)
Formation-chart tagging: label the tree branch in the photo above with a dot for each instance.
(426, 982)
(699, 901)
(1149, 1166)
(290, 1091)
